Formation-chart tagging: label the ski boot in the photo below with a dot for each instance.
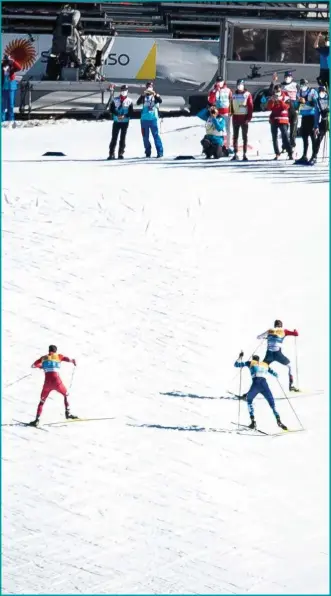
(245, 158)
(120, 156)
(34, 423)
(235, 157)
(280, 424)
(291, 386)
(110, 156)
(313, 161)
(303, 161)
(70, 416)
(276, 158)
(252, 425)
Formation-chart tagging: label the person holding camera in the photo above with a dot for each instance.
(9, 87)
(150, 101)
(213, 140)
(291, 88)
(279, 105)
(122, 110)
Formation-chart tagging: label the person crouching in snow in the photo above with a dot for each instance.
(242, 112)
(259, 371)
(213, 140)
(9, 87)
(279, 106)
(150, 101)
(122, 110)
(51, 365)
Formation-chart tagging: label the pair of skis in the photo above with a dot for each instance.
(258, 431)
(58, 423)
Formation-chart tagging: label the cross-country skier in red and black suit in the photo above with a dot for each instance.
(51, 365)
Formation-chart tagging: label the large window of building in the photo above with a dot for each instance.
(285, 46)
(249, 44)
(311, 55)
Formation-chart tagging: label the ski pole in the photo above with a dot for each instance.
(296, 362)
(18, 380)
(288, 399)
(72, 378)
(240, 378)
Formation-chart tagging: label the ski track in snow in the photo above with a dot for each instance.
(153, 275)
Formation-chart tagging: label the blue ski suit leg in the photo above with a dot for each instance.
(253, 392)
(260, 385)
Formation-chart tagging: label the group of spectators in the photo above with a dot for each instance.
(225, 109)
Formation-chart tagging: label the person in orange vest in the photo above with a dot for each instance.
(51, 364)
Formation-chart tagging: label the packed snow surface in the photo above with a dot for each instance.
(154, 275)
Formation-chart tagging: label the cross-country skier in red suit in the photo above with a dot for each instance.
(51, 365)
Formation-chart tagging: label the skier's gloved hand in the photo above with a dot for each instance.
(295, 333)
(241, 354)
(74, 362)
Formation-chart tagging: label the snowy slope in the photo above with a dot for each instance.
(154, 275)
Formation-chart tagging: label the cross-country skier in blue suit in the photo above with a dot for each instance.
(150, 101)
(259, 371)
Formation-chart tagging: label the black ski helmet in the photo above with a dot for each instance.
(52, 348)
(240, 82)
(256, 357)
(288, 73)
(278, 323)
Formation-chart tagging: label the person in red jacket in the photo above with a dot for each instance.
(220, 96)
(279, 105)
(9, 68)
(51, 364)
(242, 112)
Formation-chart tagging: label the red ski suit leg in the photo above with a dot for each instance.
(52, 383)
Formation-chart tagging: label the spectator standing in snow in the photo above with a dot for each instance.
(220, 96)
(9, 87)
(307, 98)
(242, 112)
(322, 117)
(279, 120)
(122, 110)
(291, 88)
(150, 101)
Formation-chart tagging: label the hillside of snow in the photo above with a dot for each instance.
(154, 274)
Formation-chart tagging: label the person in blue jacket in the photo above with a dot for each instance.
(9, 87)
(122, 110)
(307, 98)
(150, 101)
(259, 371)
(213, 140)
(324, 52)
